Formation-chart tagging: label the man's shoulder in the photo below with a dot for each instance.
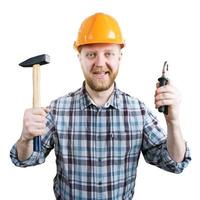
(67, 99)
(129, 101)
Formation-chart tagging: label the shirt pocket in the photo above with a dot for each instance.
(126, 143)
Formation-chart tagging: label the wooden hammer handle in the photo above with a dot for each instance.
(36, 102)
(36, 86)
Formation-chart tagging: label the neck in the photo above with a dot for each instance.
(99, 97)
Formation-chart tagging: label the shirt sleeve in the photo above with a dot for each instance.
(47, 145)
(154, 147)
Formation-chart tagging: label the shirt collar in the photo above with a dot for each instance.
(114, 100)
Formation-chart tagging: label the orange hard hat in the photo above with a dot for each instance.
(99, 28)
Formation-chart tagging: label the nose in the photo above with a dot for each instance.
(100, 60)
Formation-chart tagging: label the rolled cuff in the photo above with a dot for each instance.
(172, 165)
(35, 158)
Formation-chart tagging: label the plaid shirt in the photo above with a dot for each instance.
(97, 148)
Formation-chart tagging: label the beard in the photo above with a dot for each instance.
(101, 78)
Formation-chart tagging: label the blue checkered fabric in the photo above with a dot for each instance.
(97, 148)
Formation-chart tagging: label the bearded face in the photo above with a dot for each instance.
(100, 64)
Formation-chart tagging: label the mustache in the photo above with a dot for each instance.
(99, 69)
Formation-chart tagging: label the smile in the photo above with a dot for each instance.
(101, 74)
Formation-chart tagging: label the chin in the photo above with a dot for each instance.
(100, 87)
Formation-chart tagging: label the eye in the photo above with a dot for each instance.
(109, 54)
(91, 55)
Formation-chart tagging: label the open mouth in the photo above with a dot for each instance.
(101, 74)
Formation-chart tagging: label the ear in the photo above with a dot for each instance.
(79, 56)
(120, 56)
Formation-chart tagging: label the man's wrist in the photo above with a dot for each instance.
(173, 122)
(24, 140)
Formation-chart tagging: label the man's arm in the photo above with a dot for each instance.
(24, 148)
(169, 95)
(175, 142)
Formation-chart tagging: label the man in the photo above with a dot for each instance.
(98, 131)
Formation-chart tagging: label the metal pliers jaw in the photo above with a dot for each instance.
(165, 70)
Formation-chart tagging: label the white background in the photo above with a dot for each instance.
(155, 31)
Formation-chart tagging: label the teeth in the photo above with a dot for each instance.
(100, 72)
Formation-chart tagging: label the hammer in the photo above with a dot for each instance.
(35, 62)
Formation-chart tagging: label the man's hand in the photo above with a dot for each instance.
(34, 123)
(168, 95)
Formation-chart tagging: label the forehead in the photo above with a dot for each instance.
(101, 47)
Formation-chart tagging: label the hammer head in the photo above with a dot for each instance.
(41, 60)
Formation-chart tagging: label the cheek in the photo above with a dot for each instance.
(115, 64)
(86, 66)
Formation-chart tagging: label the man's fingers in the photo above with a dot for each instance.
(166, 89)
(39, 125)
(34, 122)
(38, 132)
(40, 111)
(167, 99)
(163, 96)
(39, 118)
(36, 128)
(46, 109)
(164, 102)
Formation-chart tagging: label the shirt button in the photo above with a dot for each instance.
(100, 159)
(100, 183)
(111, 136)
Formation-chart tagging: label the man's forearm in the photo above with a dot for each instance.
(24, 148)
(175, 142)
